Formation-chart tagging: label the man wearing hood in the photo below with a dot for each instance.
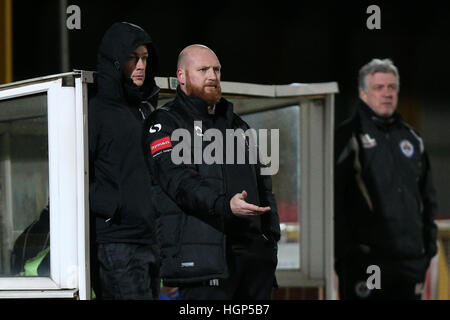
(125, 255)
(385, 202)
(217, 223)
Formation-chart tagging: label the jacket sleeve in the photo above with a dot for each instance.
(270, 220)
(181, 181)
(104, 194)
(430, 207)
(344, 157)
(92, 139)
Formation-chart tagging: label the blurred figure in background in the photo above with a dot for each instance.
(385, 202)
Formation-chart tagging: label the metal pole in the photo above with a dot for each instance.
(6, 57)
(64, 37)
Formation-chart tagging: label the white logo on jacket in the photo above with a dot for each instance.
(157, 126)
(407, 148)
(367, 141)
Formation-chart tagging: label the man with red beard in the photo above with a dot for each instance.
(217, 223)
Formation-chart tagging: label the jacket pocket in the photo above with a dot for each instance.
(202, 230)
(200, 262)
(201, 250)
(105, 199)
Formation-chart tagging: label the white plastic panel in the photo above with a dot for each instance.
(68, 176)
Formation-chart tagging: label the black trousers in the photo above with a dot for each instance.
(126, 272)
(251, 275)
(399, 280)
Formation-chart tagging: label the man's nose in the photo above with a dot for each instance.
(140, 64)
(387, 92)
(212, 74)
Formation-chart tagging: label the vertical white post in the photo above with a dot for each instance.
(81, 102)
(6, 215)
(330, 293)
(305, 246)
(63, 196)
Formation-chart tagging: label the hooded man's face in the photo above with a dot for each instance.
(201, 76)
(135, 65)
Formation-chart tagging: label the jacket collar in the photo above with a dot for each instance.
(367, 114)
(198, 107)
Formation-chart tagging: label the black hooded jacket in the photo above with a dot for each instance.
(385, 202)
(119, 177)
(192, 201)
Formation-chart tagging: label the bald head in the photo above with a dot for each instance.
(189, 53)
(198, 72)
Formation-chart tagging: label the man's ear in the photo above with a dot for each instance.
(363, 95)
(181, 76)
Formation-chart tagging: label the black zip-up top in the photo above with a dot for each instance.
(119, 176)
(192, 200)
(385, 202)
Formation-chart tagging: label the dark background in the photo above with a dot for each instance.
(265, 42)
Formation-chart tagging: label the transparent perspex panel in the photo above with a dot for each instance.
(286, 182)
(24, 187)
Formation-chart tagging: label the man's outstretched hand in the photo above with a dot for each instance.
(241, 208)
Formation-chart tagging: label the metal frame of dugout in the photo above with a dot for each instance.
(303, 186)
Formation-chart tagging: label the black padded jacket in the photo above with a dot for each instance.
(385, 202)
(195, 222)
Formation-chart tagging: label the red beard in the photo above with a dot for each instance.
(211, 96)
